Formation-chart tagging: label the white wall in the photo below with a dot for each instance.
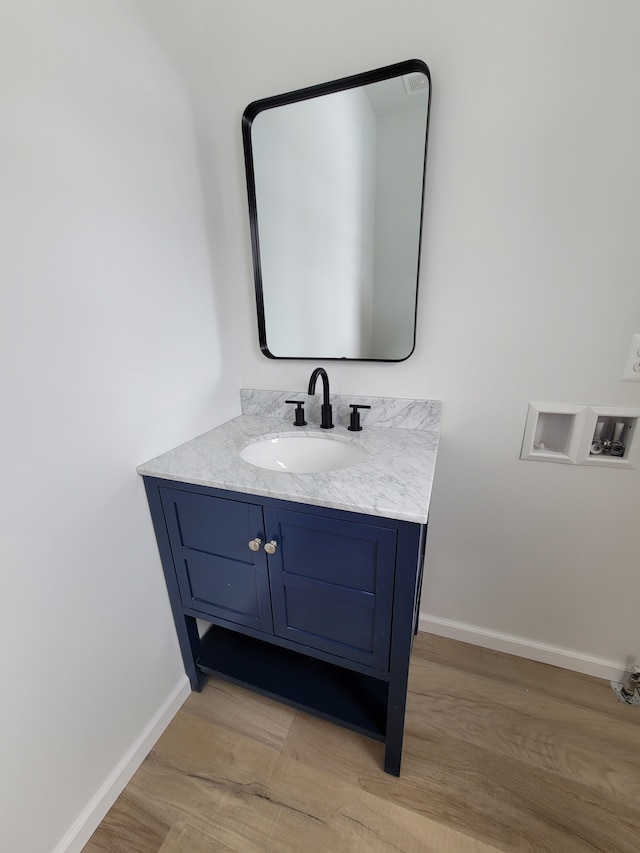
(110, 352)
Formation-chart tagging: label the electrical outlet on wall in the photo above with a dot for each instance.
(631, 371)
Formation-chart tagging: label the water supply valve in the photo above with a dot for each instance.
(609, 437)
(632, 683)
(629, 690)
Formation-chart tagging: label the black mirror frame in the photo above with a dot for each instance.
(253, 109)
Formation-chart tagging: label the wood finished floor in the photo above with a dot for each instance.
(500, 754)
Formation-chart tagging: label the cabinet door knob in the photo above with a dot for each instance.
(254, 544)
(270, 547)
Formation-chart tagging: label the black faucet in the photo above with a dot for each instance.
(327, 414)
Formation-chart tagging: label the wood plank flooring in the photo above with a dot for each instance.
(500, 754)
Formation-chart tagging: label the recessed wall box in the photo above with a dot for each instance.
(611, 437)
(553, 432)
(607, 436)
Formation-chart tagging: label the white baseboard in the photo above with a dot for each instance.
(89, 820)
(554, 655)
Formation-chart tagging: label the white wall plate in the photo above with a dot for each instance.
(565, 432)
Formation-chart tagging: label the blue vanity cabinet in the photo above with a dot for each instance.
(323, 620)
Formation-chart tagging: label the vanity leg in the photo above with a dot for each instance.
(393, 741)
(396, 708)
(189, 640)
(186, 626)
(408, 570)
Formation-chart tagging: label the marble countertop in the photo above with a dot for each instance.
(393, 481)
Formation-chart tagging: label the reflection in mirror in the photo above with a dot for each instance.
(335, 176)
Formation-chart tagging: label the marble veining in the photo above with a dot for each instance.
(393, 481)
(385, 411)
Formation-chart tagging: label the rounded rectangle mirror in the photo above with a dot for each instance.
(335, 180)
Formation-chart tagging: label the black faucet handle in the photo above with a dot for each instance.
(299, 404)
(354, 424)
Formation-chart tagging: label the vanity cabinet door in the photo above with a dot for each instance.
(218, 574)
(332, 584)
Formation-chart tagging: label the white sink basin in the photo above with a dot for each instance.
(303, 454)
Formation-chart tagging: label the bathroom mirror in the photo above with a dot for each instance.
(335, 179)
